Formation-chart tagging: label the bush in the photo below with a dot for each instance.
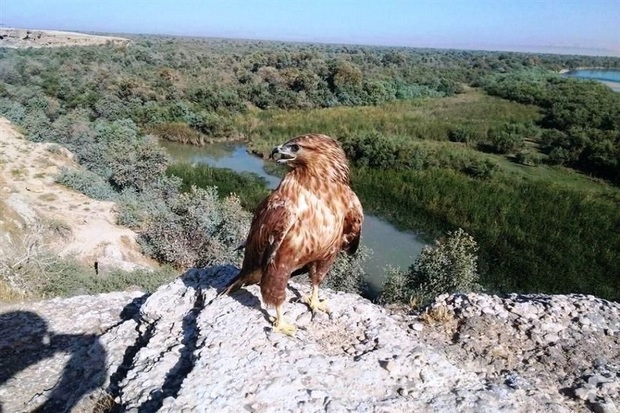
(464, 134)
(197, 230)
(177, 132)
(449, 267)
(370, 149)
(396, 287)
(483, 169)
(506, 139)
(137, 209)
(347, 274)
(87, 183)
(528, 158)
(136, 164)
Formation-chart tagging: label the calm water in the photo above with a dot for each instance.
(609, 77)
(389, 245)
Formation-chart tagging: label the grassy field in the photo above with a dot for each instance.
(424, 119)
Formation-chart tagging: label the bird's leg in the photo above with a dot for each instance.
(313, 301)
(282, 326)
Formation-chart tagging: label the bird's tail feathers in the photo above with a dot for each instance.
(241, 280)
(232, 286)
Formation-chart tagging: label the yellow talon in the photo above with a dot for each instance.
(282, 326)
(313, 301)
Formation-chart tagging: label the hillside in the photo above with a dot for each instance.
(183, 349)
(39, 215)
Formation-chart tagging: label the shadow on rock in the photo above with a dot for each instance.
(217, 277)
(26, 340)
(201, 281)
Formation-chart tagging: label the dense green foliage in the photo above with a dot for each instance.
(539, 228)
(450, 266)
(466, 117)
(430, 150)
(172, 84)
(533, 235)
(581, 118)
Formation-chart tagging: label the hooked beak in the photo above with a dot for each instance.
(285, 154)
(275, 150)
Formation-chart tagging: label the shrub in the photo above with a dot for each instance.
(370, 149)
(483, 169)
(448, 267)
(13, 111)
(210, 124)
(136, 164)
(87, 183)
(197, 230)
(396, 288)
(464, 134)
(505, 139)
(347, 274)
(177, 132)
(528, 158)
(137, 209)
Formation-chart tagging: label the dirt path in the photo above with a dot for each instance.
(29, 195)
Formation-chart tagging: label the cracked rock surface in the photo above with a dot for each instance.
(183, 349)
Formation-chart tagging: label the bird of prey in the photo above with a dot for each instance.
(302, 225)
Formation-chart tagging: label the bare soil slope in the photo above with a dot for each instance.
(29, 197)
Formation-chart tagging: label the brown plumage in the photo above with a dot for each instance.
(303, 224)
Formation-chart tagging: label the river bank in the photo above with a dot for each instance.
(609, 77)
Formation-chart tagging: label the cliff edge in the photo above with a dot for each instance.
(183, 349)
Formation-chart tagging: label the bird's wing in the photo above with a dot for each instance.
(352, 229)
(272, 221)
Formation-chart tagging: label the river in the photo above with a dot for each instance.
(389, 245)
(610, 77)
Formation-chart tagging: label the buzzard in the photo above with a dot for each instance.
(302, 225)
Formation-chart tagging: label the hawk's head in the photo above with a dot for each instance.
(314, 154)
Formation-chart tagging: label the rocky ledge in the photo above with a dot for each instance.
(182, 349)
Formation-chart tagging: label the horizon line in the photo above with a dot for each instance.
(534, 49)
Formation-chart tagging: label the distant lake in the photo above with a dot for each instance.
(611, 77)
(390, 246)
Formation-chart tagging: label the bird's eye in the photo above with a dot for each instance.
(294, 147)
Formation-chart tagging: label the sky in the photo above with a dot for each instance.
(556, 26)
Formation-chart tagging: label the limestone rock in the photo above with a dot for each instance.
(185, 349)
(61, 354)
